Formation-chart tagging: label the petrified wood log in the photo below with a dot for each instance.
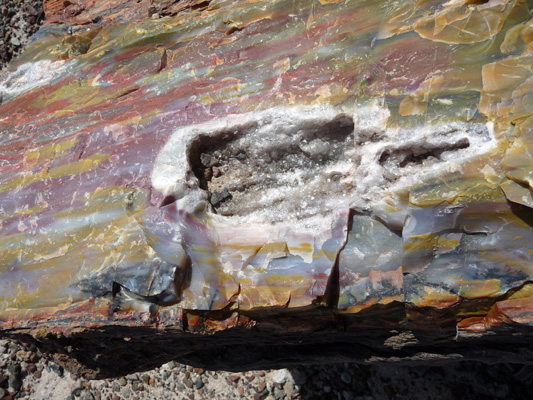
(260, 183)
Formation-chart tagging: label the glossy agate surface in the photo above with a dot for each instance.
(260, 157)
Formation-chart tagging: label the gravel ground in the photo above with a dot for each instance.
(26, 374)
(19, 19)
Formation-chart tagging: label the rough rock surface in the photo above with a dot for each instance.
(19, 19)
(233, 184)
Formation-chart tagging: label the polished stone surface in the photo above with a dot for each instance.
(207, 165)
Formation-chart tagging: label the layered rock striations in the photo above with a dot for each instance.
(259, 183)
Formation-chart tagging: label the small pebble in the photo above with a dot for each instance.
(289, 388)
(126, 392)
(198, 384)
(58, 369)
(260, 396)
(281, 376)
(116, 386)
(348, 395)
(31, 368)
(187, 382)
(346, 377)
(279, 394)
(86, 395)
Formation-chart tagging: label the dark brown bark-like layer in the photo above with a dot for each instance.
(279, 340)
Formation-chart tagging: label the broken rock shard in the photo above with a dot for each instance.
(254, 184)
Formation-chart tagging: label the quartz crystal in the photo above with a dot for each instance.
(328, 174)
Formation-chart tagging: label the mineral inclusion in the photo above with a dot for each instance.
(208, 165)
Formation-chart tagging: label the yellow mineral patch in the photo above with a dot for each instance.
(206, 99)
(284, 64)
(256, 296)
(275, 247)
(479, 289)
(527, 32)
(417, 102)
(435, 297)
(32, 210)
(412, 105)
(500, 80)
(305, 250)
(109, 198)
(328, 254)
(362, 306)
(287, 280)
(517, 162)
(243, 247)
(75, 168)
(58, 253)
(490, 174)
(524, 292)
(402, 15)
(370, 302)
(325, 2)
(429, 242)
(513, 42)
(323, 93)
(517, 193)
(48, 152)
(464, 24)
(304, 246)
